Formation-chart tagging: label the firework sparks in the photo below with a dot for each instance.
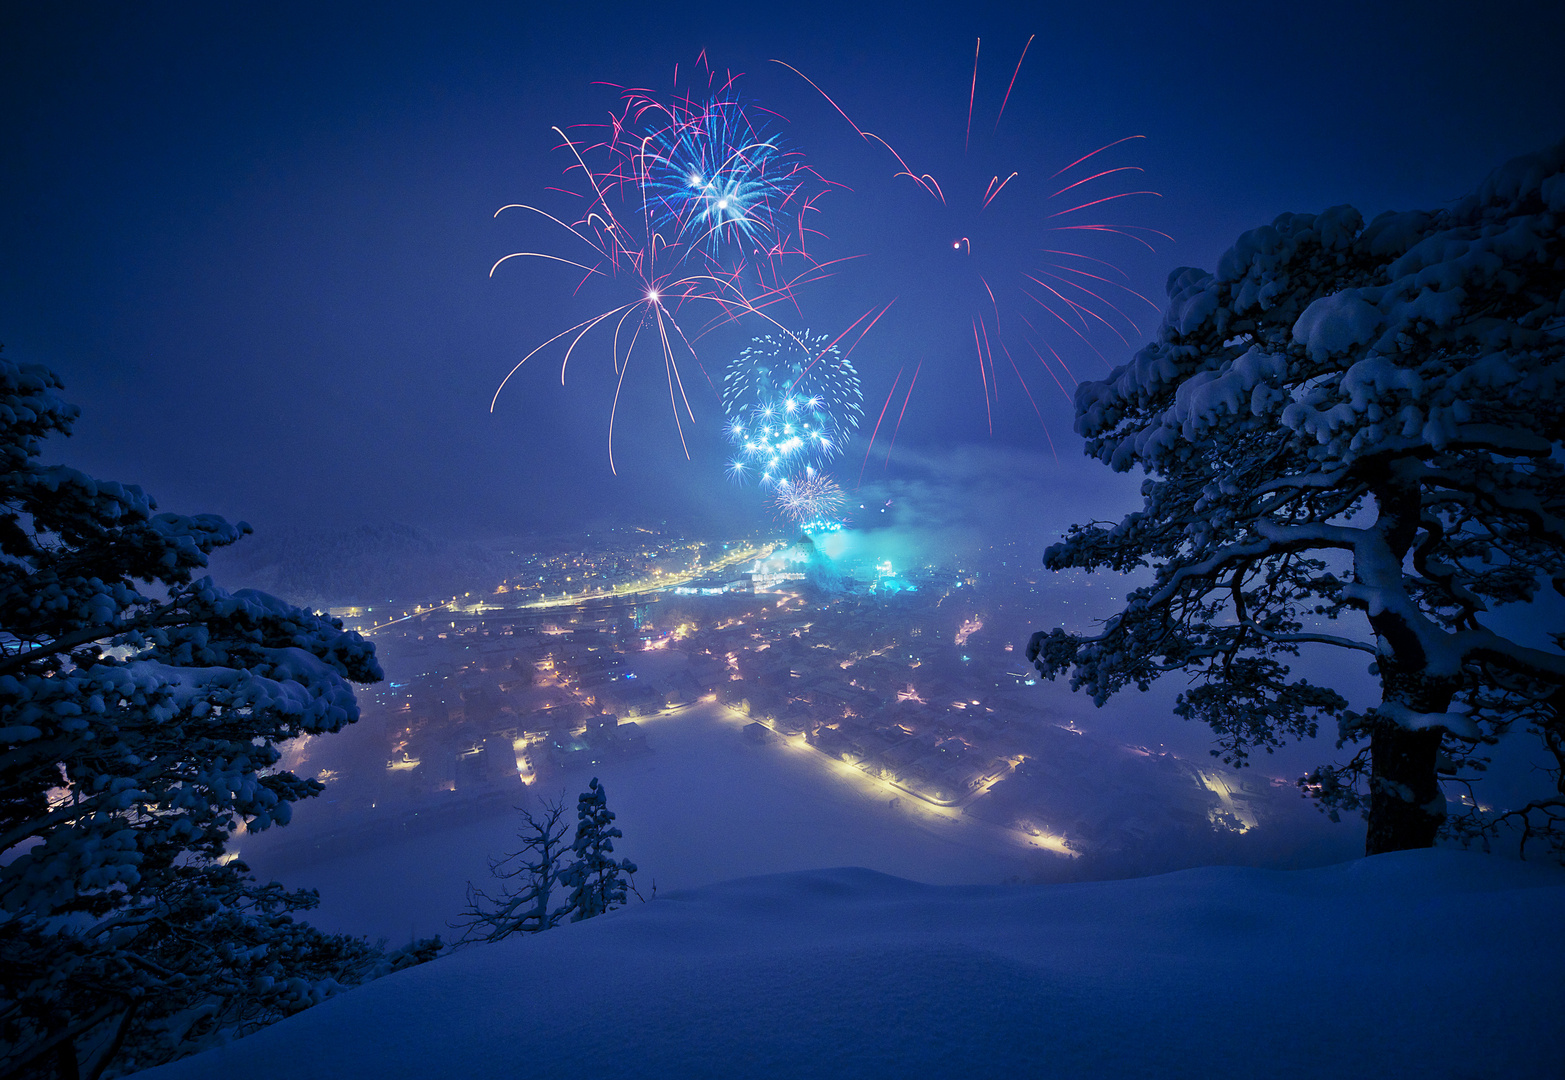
(1015, 314)
(789, 400)
(713, 180)
(810, 496)
(679, 188)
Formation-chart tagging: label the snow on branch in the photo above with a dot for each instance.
(1347, 419)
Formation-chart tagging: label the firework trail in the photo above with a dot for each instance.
(1019, 315)
(663, 247)
(714, 181)
(789, 400)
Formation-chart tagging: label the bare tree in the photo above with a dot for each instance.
(530, 877)
(527, 878)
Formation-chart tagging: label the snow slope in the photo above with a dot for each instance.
(1427, 964)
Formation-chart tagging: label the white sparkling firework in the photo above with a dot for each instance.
(790, 401)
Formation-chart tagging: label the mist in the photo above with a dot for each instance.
(703, 792)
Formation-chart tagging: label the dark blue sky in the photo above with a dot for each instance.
(255, 241)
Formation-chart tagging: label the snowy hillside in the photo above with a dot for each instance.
(1425, 963)
(368, 563)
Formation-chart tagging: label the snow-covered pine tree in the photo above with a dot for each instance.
(140, 711)
(521, 908)
(596, 880)
(1347, 421)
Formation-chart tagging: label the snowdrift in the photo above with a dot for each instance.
(1427, 964)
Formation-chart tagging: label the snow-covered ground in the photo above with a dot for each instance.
(705, 805)
(708, 805)
(1418, 964)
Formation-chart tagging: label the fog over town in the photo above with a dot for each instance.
(752, 705)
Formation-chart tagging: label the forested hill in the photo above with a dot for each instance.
(362, 564)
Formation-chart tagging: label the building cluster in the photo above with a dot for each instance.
(601, 560)
(873, 676)
(595, 563)
(914, 679)
(874, 680)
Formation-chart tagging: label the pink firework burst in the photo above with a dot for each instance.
(675, 206)
(1023, 259)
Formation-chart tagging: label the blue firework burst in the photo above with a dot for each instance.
(713, 178)
(790, 401)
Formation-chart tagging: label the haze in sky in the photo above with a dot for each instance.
(255, 241)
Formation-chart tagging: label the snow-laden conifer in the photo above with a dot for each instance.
(597, 882)
(530, 877)
(1352, 436)
(140, 711)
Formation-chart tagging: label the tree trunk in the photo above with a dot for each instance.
(121, 1030)
(1406, 805)
(65, 1059)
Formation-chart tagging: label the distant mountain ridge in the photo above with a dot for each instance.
(367, 563)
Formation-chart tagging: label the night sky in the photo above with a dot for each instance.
(254, 240)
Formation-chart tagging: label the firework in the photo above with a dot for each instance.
(1018, 310)
(811, 496)
(789, 400)
(663, 247)
(713, 180)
